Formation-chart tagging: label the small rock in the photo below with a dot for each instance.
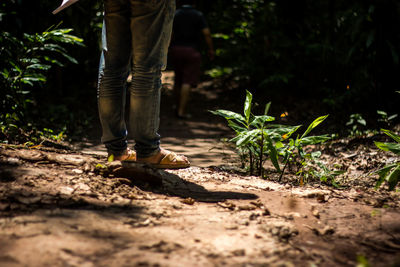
(83, 187)
(292, 215)
(266, 212)
(66, 190)
(247, 207)
(239, 252)
(283, 230)
(258, 204)
(188, 201)
(147, 222)
(327, 230)
(322, 198)
(244, 222)
(231, 227)
(227, 205)
(29, 200)
(315, 211)
(316, 214)
(13, 161)
(288, 216)
(257, 236)
(254, 216)
(162, 247)
(77, 171)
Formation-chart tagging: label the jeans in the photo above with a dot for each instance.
(136, 35)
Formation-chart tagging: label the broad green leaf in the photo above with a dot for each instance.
(382, 113)
(393, 147)
(16, 67)
(73, 39)
(267, 106)
(392, 134)
(30, 60)
(280, 130)
(53, 61)
(362, 121)
(230, 115)
(273, 154)
(292, 130)
(247, 105)
(234, 126)
(39, 66)
(383, 173)
(393, 177)
(279, 145)
(316, 154)
(291, 142)
(312, 140)
(244, 138)
(71, 59)
(29, 80)
(23, 92)
(259, 121)
(314, 124)
(54, 47)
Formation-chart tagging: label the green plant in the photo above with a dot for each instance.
(257, 140)
(357, 124)
(25, 62)
(385, 118)
(321, 171)
(362, 261)
(390, 173)
(252, 138)
(293, 151)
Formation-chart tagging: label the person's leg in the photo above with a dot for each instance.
(151, 25)
(183, 99)
(175, 58)
(114, 69)
(191, 73)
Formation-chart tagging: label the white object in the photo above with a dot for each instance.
(65, 3)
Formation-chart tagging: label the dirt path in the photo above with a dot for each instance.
(66, 208)
(58, 210)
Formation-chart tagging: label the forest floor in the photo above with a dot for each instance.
(61, 206)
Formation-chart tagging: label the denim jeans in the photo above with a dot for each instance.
(136, 35)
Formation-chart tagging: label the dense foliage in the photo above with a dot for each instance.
(341, 57)
(345, 53)
(44, 66)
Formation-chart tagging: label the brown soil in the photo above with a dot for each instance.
(61, 207)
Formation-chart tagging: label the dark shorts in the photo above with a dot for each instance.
(186, 62)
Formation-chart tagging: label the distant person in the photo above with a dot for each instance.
(189, 28)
